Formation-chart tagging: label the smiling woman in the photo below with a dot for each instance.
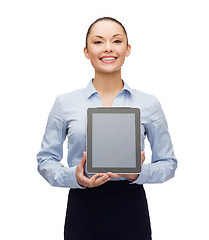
(106, 47)
(108, 205)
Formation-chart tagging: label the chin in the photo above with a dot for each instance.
(108, 70)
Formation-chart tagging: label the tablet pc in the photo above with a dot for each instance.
(113, 140)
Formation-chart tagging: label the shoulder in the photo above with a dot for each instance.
(145, 99)
(71, 98)
(77, 94)
(67, 102)
(149, 105)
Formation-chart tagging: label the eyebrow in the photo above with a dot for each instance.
(112, 36)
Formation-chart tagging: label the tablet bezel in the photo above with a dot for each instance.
(102, 110)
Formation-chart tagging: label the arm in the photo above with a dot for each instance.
(51, 152)
(164, 162)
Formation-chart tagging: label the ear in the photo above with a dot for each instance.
(86, 53)
(128, 50)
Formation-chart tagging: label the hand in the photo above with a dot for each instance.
(96, 180)
(128, 176)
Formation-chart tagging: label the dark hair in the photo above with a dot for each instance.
(106, 19)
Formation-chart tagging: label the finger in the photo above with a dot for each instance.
(101, 180)
(118, 175)
(114, 175)
(92, 180)
(84, 181)
(102, 174)
(96, 180)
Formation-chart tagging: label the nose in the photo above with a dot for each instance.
(107, 47)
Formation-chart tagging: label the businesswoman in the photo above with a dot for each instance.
(108, 205)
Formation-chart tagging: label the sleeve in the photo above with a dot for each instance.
(164, 162)
(51, 152)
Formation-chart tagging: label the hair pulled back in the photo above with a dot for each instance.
(105, 19)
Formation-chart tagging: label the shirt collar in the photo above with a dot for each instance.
(90, 89)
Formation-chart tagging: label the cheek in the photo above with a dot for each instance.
(94, 53)
(121, 51)
(94, 58)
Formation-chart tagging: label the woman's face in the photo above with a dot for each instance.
(107, 46)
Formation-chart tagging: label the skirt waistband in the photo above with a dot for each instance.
(113, 186)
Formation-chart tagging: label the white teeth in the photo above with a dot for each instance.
(108, 59)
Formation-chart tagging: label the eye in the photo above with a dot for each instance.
(117, 41)
(97, 42)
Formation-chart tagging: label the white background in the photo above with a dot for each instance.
(41, 56)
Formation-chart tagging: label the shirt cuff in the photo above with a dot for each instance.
(143, 176)
(70, 178)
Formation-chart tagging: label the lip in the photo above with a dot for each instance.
(108, 61)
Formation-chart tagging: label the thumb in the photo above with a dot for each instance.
(143, 156)
(83, 160)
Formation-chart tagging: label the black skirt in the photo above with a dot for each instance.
(114, 210)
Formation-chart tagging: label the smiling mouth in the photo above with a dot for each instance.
(108, 59)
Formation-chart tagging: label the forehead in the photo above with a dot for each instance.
(106, 28)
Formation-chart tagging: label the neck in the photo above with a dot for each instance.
(108, 83)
